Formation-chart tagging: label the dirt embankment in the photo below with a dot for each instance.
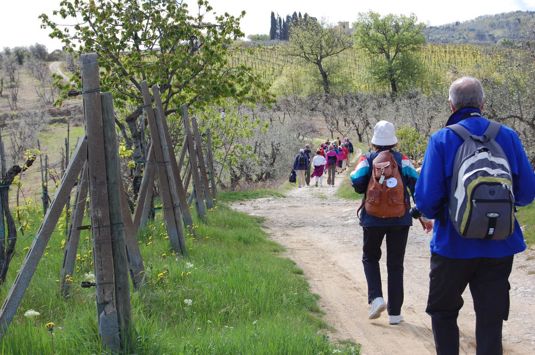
(321, 234)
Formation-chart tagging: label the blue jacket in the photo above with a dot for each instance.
(301, 166)
(433, 186)
(361, 176)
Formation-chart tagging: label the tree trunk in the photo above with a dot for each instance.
(324, 78)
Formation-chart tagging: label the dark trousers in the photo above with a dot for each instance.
(489, 286)
(396, 242)
(307, 175)
(331, 174)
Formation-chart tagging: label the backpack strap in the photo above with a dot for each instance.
(492, 129)
(490, 133)
(460, 130)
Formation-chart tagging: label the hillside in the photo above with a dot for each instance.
(490, 29)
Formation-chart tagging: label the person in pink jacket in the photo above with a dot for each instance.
(332, 160)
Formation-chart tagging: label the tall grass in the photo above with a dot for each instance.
(233, 294)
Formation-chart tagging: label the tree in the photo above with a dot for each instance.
(273, 27)
(313, 43)
(391, 41)
(161, 42)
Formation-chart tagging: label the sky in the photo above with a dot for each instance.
(20, 26)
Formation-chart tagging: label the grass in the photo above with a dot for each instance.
(526, 218)
(233, 294)
(232, 196)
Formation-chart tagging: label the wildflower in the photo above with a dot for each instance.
(162, 275)
(89, 277)
(50, 326)
(188, 302)
(189, 265)
(255, 321)
(31, 314)
(69, 279)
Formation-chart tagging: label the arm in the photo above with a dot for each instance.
(431, 190)
(523, 176)
(361, 175)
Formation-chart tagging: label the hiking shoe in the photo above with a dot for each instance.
(393, 320)
(377, 306)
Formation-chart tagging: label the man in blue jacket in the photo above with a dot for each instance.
(484, 265)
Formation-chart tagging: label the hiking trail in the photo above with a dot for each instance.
(322, 236)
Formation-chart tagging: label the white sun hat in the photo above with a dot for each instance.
(384, 134)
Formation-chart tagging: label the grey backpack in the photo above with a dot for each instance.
(481, 201)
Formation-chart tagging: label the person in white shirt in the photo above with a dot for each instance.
(319, 167)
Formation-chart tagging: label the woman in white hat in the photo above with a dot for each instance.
(387, 178)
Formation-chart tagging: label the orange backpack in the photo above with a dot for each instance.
(385, 195)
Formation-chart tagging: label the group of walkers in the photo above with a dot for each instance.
(478, 253)
(331, 157)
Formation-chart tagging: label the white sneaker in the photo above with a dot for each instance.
(377, 306)
(393, 320)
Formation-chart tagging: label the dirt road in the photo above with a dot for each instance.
(321, 234)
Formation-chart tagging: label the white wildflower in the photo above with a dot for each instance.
(89, 277)
(31, 314)
(189, 265)
(188, 302)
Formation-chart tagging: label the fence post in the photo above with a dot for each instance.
(197, 187)
(202, 163)
(69, 258)
(170, 155)
(108, 319)
(172, 216)
(211, 163)
(117, 224)
(144, 197)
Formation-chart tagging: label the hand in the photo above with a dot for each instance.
(427, 224)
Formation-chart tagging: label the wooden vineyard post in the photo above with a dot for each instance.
(69, 258)
(197, 187)
(117, 225)
(202, 163)
(42, 237)
(210, 161)
(109, 323)
(171, 208)
(144, 198)
(169, 155)
(135, 261)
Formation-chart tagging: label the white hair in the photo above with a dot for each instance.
(466, 92)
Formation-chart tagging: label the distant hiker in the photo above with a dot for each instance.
(345, 156)
(301, 164)
(318, 162)
(332, 159)
(386, 177)
(350, 148)
(456, 261)
(308, 152)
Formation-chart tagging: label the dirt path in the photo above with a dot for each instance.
(321, 234)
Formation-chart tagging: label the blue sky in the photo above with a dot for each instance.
(20, 26)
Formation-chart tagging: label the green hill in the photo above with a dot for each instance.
(490, 29)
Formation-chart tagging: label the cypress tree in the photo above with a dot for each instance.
(273, 28)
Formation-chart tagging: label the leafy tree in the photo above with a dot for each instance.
(313, 43)
(39, 51)
(161, 42)
(391, 42)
